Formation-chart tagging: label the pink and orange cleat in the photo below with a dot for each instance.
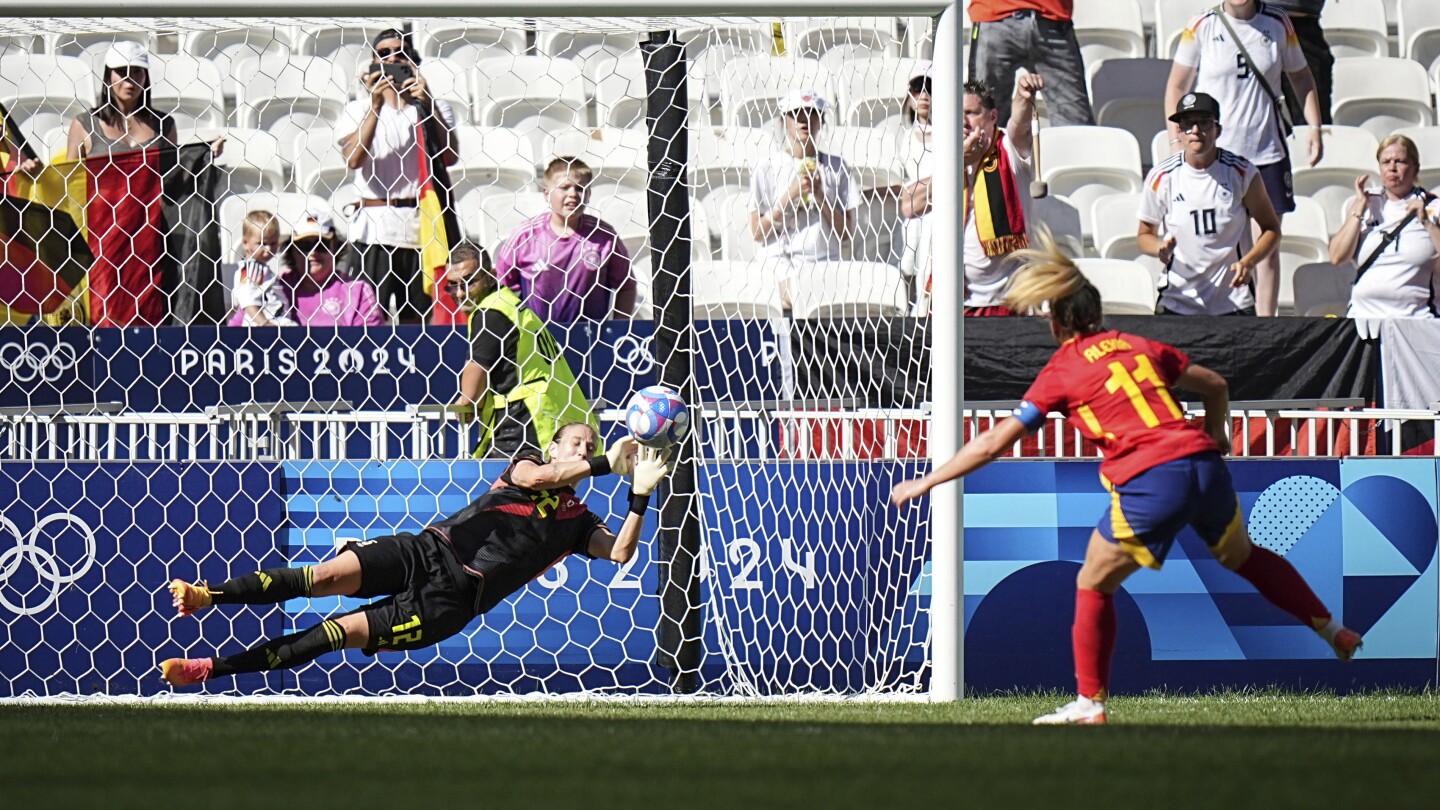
(186, 671)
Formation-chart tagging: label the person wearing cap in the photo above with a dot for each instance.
(998, 171)
(321, 294)
(380, 137)
(1203, 200)
(124, 119)
(1247, 85)
(913, 149)
(1038, 35)
(803, 201)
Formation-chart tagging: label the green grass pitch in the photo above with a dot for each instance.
(1265, 750)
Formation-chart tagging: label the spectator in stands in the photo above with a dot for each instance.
(381, 138)
(516, 380)
(1394, 238)
(997, 192)
(1247, 84)
(259, 295)
(124, 119)
(565, 264)
(1204, 199)
(913, 149)
(1038, 35)
(322, 295)
(803, 202)
(1305, 18)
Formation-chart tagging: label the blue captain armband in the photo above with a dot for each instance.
(1029, 415)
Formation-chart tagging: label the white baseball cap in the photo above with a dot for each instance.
(803, 100)
(314, 225)
(920, 71)
(124, 53)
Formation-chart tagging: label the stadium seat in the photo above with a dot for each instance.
(1427, 141)
(87, 44)
(620, 92)
(726, 159)
(1381, 95)
(1086, 163)
(464, 41)
(1129, 94)
(616, 156)
(919, 36)
(709, 49)
(251, 160)
(512, 90)
(849, 290)
(189, 87)
(296, 94)
(500, 214)
(450, 81)
(21, 44)
(290, 208)
(318, 164)
(627, 212)
(1171, 18)
(1322, 288)
(1112, 30)
(1117, 223)
(492, 160)
(1126, 288)
(870, 153)
(1304, 239)
(810, 38)
(1356, 28)
(347, 46)
(226, 47)
(732, 211)
(872, 91)
(1063, 219)
(43, 92)
(1160, 147)
(752, 86)
(583, 45)
(1349, 152)
(735, 290)
(1419, 25)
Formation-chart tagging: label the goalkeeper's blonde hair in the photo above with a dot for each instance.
(1048, 277)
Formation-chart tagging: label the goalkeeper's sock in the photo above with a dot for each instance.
(1093, 636)
(266, 587)
(285, 652)
(1278, 581)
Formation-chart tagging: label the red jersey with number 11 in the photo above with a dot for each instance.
(1115, 388)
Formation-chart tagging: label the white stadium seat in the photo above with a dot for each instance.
(1322, 288)
(227, 47)
(1171, 17)
(449, 80)
(1126, 288)
(627, 212)
(82, 44)
(810, 38)
(870, 152)
(1427, 141)
(1117, 223)
(848, 290)
(752, 86)
(1355, 28)
(872, 91)
(1160, 146)
(492, 160)
(43, 92)
(616, 156)
(251, 160)
(189, 88)
(464, 41)
(319, 165)
(1086, 163)
(511, 90)
(1381, 95)
(1304, 239)
(1129, 94)
(290, 208)
(737, 241)
(1419, 25)
(1110, 30)
(726, 158)
(1063, 220)
(620, 92)
(285, 96)
(735, 289)
(347, 46)
(1349, 152)
(500, 214)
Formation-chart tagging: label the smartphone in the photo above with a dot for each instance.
(397, 72)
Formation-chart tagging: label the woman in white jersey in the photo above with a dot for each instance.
(1404, 277)
(1208, 60)
(1203, 199)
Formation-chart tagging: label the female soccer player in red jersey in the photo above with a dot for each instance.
(1162, 472)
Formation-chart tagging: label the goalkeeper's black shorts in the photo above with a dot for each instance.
(431, 598)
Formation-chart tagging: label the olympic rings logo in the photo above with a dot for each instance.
(28, 362)
(46, 561)
(633, 354)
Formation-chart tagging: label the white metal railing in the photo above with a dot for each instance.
(740, 432)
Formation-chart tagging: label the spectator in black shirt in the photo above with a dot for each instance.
(437, 581)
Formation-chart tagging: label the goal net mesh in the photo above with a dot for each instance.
(149, 435)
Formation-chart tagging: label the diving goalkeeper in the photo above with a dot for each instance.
(437, 581)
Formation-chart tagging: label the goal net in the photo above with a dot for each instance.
(755, 248)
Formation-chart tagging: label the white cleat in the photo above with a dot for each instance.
(1080, 711)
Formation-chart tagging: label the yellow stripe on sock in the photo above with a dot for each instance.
(336, 633)
(309, 579)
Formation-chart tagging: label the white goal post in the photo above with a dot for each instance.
(750, 632)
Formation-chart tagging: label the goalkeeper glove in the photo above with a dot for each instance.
(650, 467)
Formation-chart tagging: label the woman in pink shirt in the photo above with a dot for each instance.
(322, 295)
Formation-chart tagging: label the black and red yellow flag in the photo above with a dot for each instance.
(127, 223)
(439, 228)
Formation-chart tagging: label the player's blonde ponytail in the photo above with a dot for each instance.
(1048, 276)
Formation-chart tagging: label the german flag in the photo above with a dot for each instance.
(439, 229)
(125, 224)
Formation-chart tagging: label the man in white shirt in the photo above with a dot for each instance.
(1203, 199)
(379, 136)
(803, 201)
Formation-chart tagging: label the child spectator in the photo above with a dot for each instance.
(259, 296)
(567, 265)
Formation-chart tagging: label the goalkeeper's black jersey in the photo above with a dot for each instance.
(510, 535)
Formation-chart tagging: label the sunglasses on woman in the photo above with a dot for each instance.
(920, 86)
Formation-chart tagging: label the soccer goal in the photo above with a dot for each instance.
(745, 239)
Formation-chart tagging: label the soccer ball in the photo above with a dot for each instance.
(657, 417)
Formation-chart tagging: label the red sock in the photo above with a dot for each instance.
(1278, 581)
(1094, 638)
